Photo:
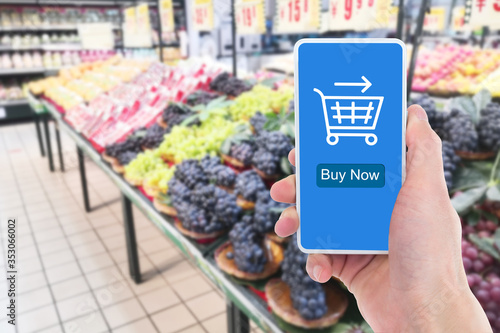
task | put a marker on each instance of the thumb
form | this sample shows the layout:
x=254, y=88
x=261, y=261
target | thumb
x=424, y=157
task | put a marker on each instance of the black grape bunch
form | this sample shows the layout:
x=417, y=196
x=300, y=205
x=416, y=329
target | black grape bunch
x=267, y=212
x=125, y=151
x=174, y=114
x=248, y=185
x=218, y=173
x=243, y=152
x=258, y=121
x=460, y=131
x=229, y=85
x=450, y=162
x=489, y=127
x=308, y=296
x=271, y=148
x=201, y=206
x=248, y=246
x=153, y=137
x=200, y=97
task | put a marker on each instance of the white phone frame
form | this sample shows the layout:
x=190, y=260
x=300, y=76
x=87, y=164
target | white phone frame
x=297, y=136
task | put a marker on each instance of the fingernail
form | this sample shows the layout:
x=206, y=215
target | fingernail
x=317, y=270
x=283, y=214
x=420, y=113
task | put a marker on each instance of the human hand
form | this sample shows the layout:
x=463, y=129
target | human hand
x=421, y=285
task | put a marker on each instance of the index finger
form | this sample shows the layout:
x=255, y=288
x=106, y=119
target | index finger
x=291, y=156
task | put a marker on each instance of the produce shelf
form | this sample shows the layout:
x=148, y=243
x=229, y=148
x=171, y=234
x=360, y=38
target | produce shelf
x=22, y=101
x=22, y=71
x=68, y=27
x=41, y=28
x=70, y=3
x=201, y=255
x=43, y=47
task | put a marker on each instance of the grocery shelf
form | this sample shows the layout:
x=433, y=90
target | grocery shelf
x=201, y=255
x=75, y=3
x=21, y=71
x=22, y=101
x=43, y=47
x=61, y=47
x=19, y=48
x=40, y=28
x=69, y=27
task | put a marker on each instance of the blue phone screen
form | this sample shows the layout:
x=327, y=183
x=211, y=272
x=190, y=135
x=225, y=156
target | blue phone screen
x=350, y=113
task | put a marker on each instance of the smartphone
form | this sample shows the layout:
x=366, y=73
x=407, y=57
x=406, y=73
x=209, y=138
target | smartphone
x=350, y=118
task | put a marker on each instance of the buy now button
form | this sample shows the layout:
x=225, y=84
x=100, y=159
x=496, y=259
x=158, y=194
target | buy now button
x=350, y=175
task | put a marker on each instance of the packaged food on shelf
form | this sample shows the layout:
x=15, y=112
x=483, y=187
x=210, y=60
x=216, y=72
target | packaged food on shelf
x=11, y=91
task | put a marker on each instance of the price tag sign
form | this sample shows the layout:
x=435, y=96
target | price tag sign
x=203, y=15
x=358, y=15
x=249, y=17
x=385, y=12
x=434, y=21
x=393, y=17
x=167, y=16
x=458, y=18
x=130, y=19
x=297, y=16
x=137, y=27
x=142, y=17
x=96, y=36
x=484, y=13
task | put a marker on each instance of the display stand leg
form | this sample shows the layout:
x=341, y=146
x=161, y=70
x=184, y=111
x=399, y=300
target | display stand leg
x=237, y=321
x=400, y=22
x=39, y=134
x=83, y=178
x=417, y=38
x=233, y=38
x=59, y=148
x=133, y=256
x=484, y=34
x=47, y=140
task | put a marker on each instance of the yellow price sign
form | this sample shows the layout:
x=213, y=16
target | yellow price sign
x=142, y=17
x=203, y=15
x=434, y=20
x=130, y=18
x=297, y=15
x=167, y=16
x=249, y=17
x=458, y=18
x=359, y=15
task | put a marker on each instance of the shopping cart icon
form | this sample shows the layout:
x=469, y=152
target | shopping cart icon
x=351, y=116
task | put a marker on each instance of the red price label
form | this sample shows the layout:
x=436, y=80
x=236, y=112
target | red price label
x=352, y=15
x=298, y=15
x=203, y=15
x=249, y=17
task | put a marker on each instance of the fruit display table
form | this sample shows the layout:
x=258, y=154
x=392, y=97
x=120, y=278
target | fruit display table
x=242, y=303
x=246, y=298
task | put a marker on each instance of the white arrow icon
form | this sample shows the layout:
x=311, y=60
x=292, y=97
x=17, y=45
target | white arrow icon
x=367, y=84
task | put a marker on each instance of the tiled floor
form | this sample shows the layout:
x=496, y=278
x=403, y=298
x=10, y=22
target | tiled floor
x=73, y=266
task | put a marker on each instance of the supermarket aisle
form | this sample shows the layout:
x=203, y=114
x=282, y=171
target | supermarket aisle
x=73, y=265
